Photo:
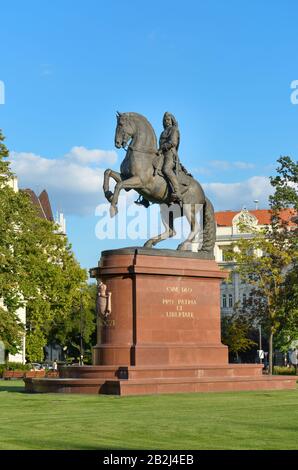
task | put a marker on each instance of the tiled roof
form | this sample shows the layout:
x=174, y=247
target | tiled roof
x=45, y=202
x=225, y=218
x=42, y=203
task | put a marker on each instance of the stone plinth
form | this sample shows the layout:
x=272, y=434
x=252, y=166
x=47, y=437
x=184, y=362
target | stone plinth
x=165, y=310
x=163, y=332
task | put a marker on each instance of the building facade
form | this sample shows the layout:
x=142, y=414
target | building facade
x=228, y=232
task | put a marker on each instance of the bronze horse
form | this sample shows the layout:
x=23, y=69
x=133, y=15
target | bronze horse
x=138, y=172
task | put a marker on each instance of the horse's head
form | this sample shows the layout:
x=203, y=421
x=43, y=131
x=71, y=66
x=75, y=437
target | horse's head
x=124, y=130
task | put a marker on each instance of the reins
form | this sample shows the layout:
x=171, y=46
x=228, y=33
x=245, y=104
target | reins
x=142, y=150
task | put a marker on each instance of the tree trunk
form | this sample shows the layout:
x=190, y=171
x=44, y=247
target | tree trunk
x=271, y=353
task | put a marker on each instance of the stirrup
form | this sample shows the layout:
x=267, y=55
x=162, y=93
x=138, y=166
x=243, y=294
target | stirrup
x=141, y=201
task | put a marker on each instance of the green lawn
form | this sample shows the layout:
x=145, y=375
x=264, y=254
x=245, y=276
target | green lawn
x=243, y=420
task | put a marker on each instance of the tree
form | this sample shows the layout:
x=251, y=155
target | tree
x=286, y=185
x=52, y=285
x=235, y=333
x=289, y=304
x=4, y=165
x=11, y=329
x=76, y=332
x=286, y=195
x=37, y=266
x=267, y=260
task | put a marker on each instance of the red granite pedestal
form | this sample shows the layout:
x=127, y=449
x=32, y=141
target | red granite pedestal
x=163, y=333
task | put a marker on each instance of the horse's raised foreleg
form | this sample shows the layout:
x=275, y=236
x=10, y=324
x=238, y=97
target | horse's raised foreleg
x=131, y=183
x=106, y=180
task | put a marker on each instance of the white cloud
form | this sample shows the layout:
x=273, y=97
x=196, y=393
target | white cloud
x=233, y=196
x=201, y=170
x=73, y=181
x=244, y=165
x=220, y=164
x=224, y=165
x=82, y=155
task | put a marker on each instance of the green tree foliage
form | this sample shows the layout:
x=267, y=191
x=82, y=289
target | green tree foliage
x=4, y=164
x=11, y=329
x=35, y=342
x=289, y=307
x=286, y=195
x=37, y=267
x=268, y=260
x=235, y=333
x=76, y=332
x=285, y=184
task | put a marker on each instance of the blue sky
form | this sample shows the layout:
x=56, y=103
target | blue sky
x=224, y=68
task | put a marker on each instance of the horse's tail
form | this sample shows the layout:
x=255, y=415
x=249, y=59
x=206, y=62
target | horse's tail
x=209, y=227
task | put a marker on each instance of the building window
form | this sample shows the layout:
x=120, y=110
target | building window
x=224, y=301
x=230, y=300
x=225, y=254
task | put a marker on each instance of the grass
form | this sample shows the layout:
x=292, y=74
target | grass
x=242, y=420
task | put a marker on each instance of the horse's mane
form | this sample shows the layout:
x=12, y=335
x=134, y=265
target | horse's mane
x=146, y=124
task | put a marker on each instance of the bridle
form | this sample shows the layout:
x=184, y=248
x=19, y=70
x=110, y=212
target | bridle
x=135, y=149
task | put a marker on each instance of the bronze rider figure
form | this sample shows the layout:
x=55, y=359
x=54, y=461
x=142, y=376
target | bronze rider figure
x=168, y=147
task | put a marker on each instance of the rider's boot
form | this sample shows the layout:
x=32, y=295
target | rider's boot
x=176, y=194
x=142, y=202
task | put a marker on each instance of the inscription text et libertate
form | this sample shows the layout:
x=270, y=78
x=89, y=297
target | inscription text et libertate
x=178, y=305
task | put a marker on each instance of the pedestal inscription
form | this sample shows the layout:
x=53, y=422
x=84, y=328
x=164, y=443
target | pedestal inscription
x=178, y=307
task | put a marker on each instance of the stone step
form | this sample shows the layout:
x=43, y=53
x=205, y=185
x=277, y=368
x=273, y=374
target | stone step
x=89, y=372
x=139, y=372
x=191, y=385
x=159, y=385
x=229, y=370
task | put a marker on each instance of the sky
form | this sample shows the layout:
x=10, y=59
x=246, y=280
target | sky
x=223, y=68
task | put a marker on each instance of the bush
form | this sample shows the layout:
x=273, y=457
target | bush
x=279, y=370
x=16, y=366
x=13, y=366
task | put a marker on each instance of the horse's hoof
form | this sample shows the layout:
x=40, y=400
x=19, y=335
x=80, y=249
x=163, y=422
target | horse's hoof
x=148, y=244
x=183, y=247
x=113, y=211
x=109, y=195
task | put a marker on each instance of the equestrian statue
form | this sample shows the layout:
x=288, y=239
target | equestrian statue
x=159, y=177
